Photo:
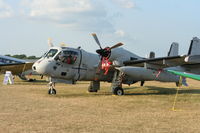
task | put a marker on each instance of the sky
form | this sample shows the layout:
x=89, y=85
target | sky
x=142, y=25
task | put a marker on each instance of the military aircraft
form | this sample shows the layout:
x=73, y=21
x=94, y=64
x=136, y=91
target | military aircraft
x=187, y=66
x=18, y=67
x=68, y=65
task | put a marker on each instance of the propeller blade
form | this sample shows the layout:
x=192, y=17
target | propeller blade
x=50, y=42
x=96, y=39
x=116, y=45
x=63, y=44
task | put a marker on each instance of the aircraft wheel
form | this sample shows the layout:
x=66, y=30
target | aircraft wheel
x=118, y=91
x=52, y=92
x=91, y=90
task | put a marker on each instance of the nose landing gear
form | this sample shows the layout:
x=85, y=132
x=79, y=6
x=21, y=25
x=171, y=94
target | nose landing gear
x=52, y=90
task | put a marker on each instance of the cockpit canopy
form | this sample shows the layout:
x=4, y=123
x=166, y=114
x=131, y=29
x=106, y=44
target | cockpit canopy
x=51, y=53
x=68, y=56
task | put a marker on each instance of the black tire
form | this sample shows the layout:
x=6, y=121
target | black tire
x=91, y=90
x=118, y=91
x=52, y=92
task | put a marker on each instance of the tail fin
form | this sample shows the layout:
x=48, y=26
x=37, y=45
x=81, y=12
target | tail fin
x=173, y=51
x=151, y=55
x=194, y=47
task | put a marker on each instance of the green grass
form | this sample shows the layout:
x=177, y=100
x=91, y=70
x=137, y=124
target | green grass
x=25, y=107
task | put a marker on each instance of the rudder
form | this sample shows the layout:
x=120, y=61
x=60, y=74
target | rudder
x=194, y=48
x=173, y=51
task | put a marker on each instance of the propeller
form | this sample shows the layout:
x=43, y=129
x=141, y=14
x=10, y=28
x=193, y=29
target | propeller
x=106, y=51
x=104, y=54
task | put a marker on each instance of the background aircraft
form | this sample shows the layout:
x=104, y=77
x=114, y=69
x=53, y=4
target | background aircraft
x=68, y=65
x=186, y=65
x=18, y=67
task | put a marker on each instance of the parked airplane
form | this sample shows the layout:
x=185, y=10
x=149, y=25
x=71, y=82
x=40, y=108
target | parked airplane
x=68, y=65
x=187, y=65
x=18, y=67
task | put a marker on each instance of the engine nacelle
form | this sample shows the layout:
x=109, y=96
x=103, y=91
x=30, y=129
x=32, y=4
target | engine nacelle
x=140, y=74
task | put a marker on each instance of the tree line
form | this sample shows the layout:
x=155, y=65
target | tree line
x=22, y=56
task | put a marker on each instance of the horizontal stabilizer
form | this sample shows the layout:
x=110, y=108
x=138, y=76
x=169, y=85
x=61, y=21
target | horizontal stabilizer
x=194, y=47
x=173, y=51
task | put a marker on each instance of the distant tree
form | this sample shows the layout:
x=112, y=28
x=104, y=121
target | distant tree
x=32, y=57
x=8, y=55
x=21, y=56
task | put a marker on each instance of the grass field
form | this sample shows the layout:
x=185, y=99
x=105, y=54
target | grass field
x=27, y=108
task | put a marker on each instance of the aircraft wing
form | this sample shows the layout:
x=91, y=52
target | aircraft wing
x=158, y=63
x=15, y=68
x=184, y=74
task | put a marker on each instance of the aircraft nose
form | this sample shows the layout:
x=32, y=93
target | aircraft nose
x=41, y=67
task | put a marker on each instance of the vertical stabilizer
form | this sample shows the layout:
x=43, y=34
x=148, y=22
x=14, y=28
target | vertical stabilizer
x=151, y=55
x=173, y=51
x=194, y=47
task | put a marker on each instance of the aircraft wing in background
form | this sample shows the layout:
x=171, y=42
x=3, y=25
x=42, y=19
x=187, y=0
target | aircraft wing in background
x=16, y=68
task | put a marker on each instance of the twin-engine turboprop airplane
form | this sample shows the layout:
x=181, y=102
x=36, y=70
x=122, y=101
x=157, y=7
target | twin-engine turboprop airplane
x=68, y=65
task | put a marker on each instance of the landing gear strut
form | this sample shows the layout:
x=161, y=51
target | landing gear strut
x=117, y=83
x=142, y=83
x=94, y=86
x=52, y=90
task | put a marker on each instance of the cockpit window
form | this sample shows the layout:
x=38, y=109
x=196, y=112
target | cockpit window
x=51, y=53
x=68, y=56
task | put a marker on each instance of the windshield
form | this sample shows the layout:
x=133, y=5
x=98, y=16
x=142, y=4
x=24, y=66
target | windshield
x=51, y=53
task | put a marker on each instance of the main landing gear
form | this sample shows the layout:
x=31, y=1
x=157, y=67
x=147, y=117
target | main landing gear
x=52, y=90
x=117, y=84
x=118, y=91
x=94, y=86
